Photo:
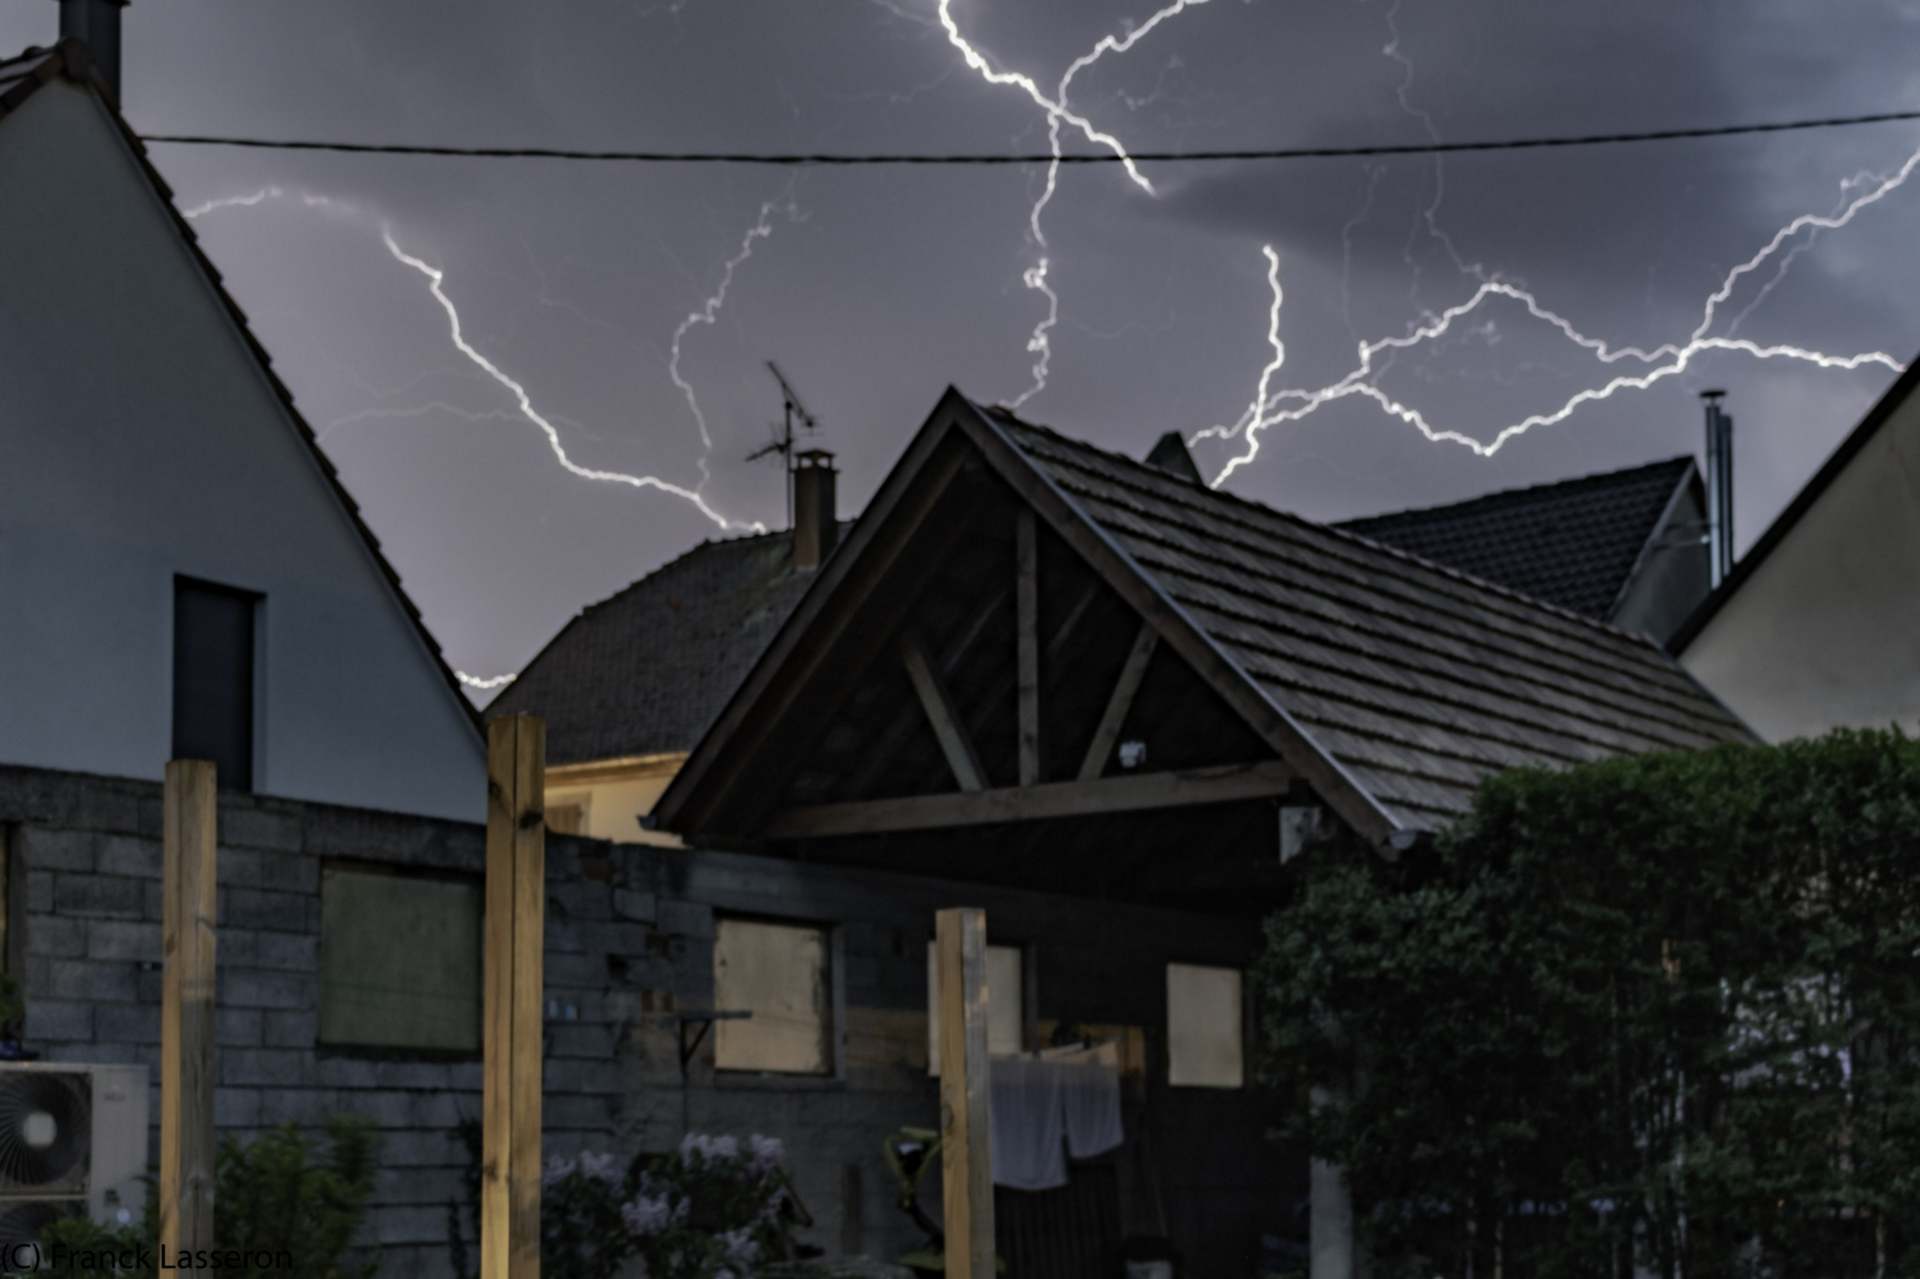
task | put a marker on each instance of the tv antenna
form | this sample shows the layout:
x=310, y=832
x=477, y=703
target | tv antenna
x=782, y=442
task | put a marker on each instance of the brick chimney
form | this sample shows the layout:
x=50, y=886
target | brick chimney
x=96, y=24
x=816, y=526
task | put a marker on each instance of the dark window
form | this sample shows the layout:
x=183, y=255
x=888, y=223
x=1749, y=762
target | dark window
x=213, y=678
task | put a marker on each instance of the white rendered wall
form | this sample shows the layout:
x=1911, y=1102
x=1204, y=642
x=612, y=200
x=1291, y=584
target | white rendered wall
x=138, y=439
x=1826, y=631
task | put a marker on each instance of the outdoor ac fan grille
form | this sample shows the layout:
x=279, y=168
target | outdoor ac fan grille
x=46, y=1132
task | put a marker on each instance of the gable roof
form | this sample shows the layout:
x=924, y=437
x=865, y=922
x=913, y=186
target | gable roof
x=1392, y=685
x=644, y=671
x=1803, y=501
x=1575, y=543
x=24, y=75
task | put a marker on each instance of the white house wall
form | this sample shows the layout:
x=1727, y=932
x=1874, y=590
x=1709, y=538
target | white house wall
x=139, y=440
x=1825, y=632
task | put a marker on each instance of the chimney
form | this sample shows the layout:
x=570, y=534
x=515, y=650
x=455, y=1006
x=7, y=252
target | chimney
x=816, y=527
x=1170, y=454
x=96, y=24
x=1719, y=486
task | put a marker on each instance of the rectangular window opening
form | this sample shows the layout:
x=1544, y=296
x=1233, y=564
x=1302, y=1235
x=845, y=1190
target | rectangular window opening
x=400, y=960
x=779, y=974
x=213, y=658
x=1205, y=1019
x=1006, y=1004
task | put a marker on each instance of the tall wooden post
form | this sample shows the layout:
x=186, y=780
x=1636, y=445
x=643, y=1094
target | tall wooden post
x=966, y=1164
x=188, y=914
x=515, y=931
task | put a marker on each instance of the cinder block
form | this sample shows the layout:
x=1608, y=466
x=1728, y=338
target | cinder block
x=685, y=919
x=123, y=939
x=289, y=1029
x=98, y=980
x=260, y=828
x=308, y=1107
x=55, y=936
x=127, y=1023
x=267, y=1068
x=267, y=911
x=130, y=855
x=256, y=988
x=235, y=1108
x=294, y=951
x=52, y=1019
x=113, y=896
x=40, y=890
x=637, y=906
x=237, y=1027
x=57, y=849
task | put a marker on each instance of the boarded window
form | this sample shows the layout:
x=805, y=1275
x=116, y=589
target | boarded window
x=778, y=973
x=400, y=961
x=1204, y=1021
x=569, y=818
x=1006, y=1004
x=213, y=678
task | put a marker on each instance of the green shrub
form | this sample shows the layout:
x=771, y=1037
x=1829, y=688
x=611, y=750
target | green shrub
x=277, y=1197
x=1665, y=1005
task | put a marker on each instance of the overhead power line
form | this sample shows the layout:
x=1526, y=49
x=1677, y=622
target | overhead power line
x=824, y=159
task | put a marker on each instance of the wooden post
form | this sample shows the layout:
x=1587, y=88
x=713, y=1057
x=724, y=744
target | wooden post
x=188, y=913
x=966, y=1163
x=515, y=932
x=1027, y=613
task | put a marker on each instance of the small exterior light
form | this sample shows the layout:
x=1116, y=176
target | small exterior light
x=1133, y=754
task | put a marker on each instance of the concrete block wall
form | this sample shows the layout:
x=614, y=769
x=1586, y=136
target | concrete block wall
x=629, y=936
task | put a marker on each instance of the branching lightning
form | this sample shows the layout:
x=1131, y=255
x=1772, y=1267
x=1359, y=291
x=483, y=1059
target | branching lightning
x=709, y=313
x=1667, y=360
x=1035, y=277
x=486, y=681
x=527, y=411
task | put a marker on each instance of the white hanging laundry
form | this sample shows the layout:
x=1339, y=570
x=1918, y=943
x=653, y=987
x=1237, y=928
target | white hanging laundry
x=1090, y=1100
x=1027, y=1124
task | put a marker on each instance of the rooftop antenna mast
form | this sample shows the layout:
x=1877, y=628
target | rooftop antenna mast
x=782, y=443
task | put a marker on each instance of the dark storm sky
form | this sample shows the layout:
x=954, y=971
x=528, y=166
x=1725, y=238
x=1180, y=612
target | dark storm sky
x=884, y=285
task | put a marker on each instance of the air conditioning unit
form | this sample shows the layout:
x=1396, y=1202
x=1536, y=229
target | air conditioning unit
x=73, y=1139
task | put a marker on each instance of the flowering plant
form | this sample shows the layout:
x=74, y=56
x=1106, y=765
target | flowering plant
x=716, y=1208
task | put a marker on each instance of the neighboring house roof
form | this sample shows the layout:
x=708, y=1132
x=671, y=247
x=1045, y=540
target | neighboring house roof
x=20, y=78
x=1575, y=543
x=1803, y=501
x=1392, y=685
x=646, y=670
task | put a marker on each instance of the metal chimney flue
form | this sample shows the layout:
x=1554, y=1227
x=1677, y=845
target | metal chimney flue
x=1719, y=425
x=816, y=527
x=96, y=24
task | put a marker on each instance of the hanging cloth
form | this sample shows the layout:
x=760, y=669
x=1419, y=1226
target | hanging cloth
x=1027, y=1124
x=1090, y=1100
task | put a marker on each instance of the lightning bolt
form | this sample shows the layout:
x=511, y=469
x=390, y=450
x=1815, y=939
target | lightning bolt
x=527, y=410
x=486, y=681
x=709, y=313
x=1039, y=343
x=1294, y=405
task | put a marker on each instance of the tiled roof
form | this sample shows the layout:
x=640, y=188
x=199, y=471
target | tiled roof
x=645, y=671
x=1574, y=543
x=1416, y=680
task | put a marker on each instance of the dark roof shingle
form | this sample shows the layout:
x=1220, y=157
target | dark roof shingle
x=1417, y=680
x=646, y=670
x=1573, y=543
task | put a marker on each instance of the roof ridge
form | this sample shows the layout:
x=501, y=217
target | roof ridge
x=1337, y=531
x=74, y=62
x=1593, y=479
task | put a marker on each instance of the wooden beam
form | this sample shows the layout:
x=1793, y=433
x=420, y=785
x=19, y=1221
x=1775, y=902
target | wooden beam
x=806, y=643
x=1119, y=703
x=188, y=909
x=1126, y=793
x=966, y=1162
x=516, y=895
x=1027, y=618
x=955, y=744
